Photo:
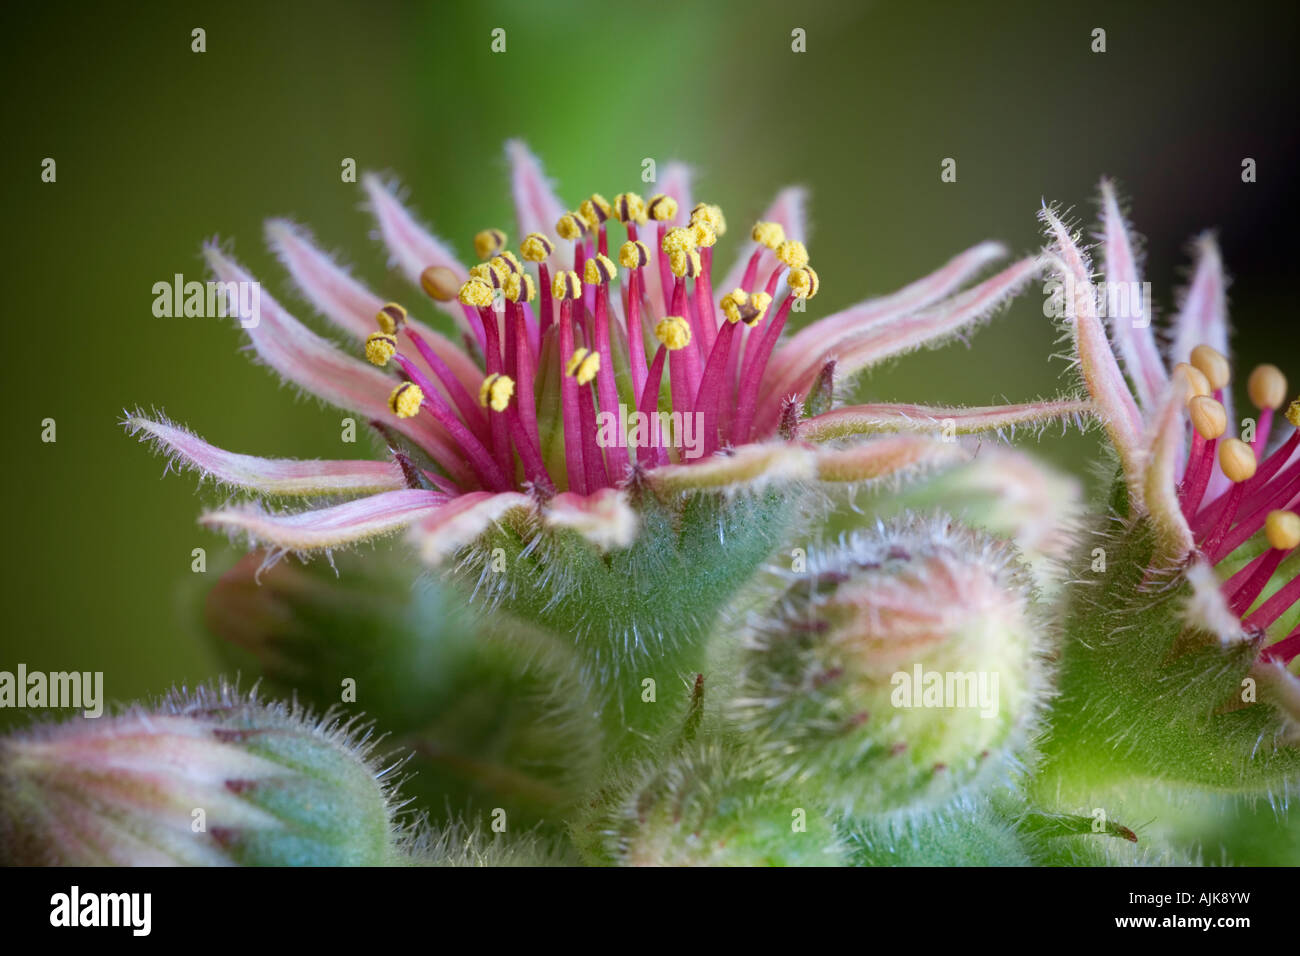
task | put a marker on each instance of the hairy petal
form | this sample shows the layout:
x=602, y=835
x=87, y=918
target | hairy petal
x=268, y=476
x=461, y=520
x=879, y=341
x=411, y=247
x=1165, y=444
x=867, y=419
x=606, y=519
x=310, y=362
x=1100, y=370
x=347, y=303
x=537, y=208
x=1132, y=333
x=886, y=457
x=750, y=466
x=333, y=527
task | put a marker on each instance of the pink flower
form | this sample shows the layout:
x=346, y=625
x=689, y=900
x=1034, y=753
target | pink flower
x=1206, y=502
x=548, y=406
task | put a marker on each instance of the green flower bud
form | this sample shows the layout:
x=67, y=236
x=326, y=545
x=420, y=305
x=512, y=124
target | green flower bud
x=896, y=670
x=706, y=807
x=211, y=778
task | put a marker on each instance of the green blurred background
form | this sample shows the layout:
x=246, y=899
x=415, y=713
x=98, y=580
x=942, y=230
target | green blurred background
x=158, y=148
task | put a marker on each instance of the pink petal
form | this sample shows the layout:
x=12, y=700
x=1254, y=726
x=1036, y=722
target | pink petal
x=269, y=476
x=1133, y=335
x=749, y=466
x=1203, y=318
x=606, y=519
x=333, y=527
x=1164, y=442
x=411, y=247
x=537, y=208
x=1100, y=370
x=460, y=521
x=309, y=361
x=868, y=419
x=347, y=303
x=886, y=457
x=878, y=341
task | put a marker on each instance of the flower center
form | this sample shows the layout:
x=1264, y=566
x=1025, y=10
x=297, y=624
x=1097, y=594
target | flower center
x=552, y=376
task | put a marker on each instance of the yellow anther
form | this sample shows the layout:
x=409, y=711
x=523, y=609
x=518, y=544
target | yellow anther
x=566, y=285
x=570, y=226
x=476, y=292
x=489, y=273
x=711, y=214
x=629, y=207
x=1212, y=365
x=1293, y=413
x=599, y=270
x=489, y=242
x=520, y=287
x=1282, y=529
x=673, y=332
x=678, y=239
x=732, y=303
x=703, y=233
x=536, y=247
x=634, y=255
x=793, y=253
x=507, y=262
x=1237, y=460
x=685, y=264
x=1209, y=418
x=804, y=282
x=380, y=347
x=757, y=305
x=439, y=283
x=405, y=400
x=770, y=234
x=1267, y=387
x=595, y=210
x=583, y=365
x=495, y=391
x=390, y=318
x=661, y=208
x=1200, y=384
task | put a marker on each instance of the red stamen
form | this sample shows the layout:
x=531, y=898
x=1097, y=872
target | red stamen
x=617, y=455
x=752, y=376
x=665, y=269
x=684, y=363
x=1200, y=465
x=597, y=477
x=1275, y=607
x=709, y=398
x=1247, y=584
x=1262, y=427
x=465, y=404
x=544, y=290
x=751, y=270
x=649, y=406
x=480, y=459
x=708, y=319
x=635, y=333
x=1284, y=650
x=1255, y=518
x=492, y=361
x=1210, y=543
x=569, y=405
